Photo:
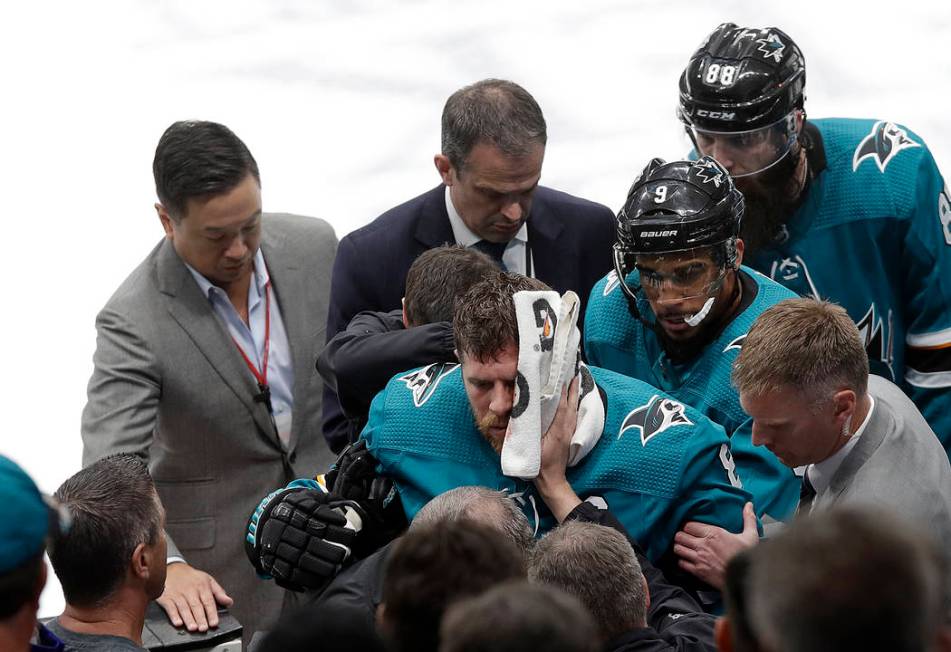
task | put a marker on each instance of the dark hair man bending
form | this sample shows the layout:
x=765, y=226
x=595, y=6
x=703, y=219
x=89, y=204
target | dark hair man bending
x=489, y=197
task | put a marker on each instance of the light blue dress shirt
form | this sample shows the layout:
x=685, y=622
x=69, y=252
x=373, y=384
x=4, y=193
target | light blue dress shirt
x=250, y=337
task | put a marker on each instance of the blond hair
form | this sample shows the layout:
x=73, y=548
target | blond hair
x=810, y=346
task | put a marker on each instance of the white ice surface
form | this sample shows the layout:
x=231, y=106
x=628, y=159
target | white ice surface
x=340, y=100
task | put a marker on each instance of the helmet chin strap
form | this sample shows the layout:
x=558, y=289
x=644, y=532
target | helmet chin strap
x=699, y=316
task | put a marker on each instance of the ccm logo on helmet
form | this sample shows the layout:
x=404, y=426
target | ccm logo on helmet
x=657, y=234
x=716, y=115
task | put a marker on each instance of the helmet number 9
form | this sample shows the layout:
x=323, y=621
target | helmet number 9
x=717, y=74
x=660, y=194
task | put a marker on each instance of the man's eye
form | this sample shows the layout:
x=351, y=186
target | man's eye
x=692, y=273
x=651, y=278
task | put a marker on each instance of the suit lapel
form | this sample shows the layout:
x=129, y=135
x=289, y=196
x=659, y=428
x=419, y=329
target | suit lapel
x=872, y=437
x=194, y=314
x=551, y=260
x=433, y=228
x=289, y=284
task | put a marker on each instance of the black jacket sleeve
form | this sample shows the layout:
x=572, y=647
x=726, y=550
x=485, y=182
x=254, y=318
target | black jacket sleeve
x=359, y=361
x=675, y=621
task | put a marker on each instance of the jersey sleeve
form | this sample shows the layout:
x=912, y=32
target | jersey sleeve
x=709, y=490
x=927, y=290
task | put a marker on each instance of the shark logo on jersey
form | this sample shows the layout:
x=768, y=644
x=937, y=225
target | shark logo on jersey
x=794, y=274
x=771, y=47
x=424, y=381
x=612, y=283
x=709, y=172
x=736, y=344
x=880, y=349
x=656, y=416
x=882, y=145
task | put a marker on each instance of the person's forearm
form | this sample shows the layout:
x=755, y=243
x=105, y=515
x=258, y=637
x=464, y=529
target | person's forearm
x=558, y=495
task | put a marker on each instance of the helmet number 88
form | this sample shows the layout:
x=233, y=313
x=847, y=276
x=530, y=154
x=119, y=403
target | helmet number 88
x=717, y=74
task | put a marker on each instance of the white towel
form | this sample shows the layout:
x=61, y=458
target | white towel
x=547, y=361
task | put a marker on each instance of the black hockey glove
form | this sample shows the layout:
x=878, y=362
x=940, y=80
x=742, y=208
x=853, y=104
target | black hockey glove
x=301, y=536
x=354, y=477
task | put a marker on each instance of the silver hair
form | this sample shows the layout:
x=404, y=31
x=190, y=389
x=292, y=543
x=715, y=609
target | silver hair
x=482, y=505
x=597, y=565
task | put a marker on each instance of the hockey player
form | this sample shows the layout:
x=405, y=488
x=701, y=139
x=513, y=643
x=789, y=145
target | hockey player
x=678, y=305
x=656, y=462
x=854, y=211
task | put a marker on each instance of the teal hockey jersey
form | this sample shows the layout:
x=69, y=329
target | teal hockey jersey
x=615, y=340
x=657, y=464
x=873, y=234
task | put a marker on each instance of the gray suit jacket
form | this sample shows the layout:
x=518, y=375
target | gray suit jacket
x=898, y=463
x=170, y=385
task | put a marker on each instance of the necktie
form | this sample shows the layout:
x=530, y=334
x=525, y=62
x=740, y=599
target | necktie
x=493, y=250
x=807, y=494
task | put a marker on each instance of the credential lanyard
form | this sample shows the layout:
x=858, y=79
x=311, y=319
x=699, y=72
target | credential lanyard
x=261, y=376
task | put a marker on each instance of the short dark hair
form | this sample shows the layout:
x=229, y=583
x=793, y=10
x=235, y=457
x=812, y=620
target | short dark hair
x=431, y=567
x=19, y=585
x=494, y=111
x=736, y=601
x=196, y=158
x=597, y=565
x=438, y=277
x=847, y=578
x=114, y=508
x=484, y=321
x=518, y=616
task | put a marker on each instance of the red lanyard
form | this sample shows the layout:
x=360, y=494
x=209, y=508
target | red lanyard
x=261, y=376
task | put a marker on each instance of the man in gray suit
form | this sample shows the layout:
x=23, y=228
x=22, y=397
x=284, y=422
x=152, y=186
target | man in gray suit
x=803, y=377
x=204, y=365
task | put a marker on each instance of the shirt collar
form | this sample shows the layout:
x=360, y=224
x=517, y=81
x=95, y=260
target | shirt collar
x=463, y=235
x=820, y=474
x=255, y=291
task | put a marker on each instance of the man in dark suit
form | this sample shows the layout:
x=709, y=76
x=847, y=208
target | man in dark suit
x=493, y=145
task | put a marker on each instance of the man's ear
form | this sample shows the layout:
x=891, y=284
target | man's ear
x=166, y=221
x=40, y=582
x=444, y=167
x=844, y=402
x=380, y=617
x=740, y=247
x=141, y=562
x=723, y=634
x=406, y=323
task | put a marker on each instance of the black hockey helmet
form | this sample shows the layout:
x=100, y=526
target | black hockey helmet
x=679, y=206
x=742, y=79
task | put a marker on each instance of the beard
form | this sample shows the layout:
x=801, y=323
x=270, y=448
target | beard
x=772, y=196
x=485, y=424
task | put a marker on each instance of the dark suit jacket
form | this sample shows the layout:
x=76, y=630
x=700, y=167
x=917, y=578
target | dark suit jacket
x=570, y=240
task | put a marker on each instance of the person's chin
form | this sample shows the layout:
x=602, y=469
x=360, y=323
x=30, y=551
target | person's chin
x=676, y=329
x=495, y=436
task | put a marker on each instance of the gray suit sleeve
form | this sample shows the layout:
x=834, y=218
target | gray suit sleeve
x=122, y=395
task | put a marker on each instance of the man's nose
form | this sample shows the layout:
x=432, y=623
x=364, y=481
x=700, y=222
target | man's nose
x=237, y=248
x=724, y=154
x=512, y=210
x=502, y=400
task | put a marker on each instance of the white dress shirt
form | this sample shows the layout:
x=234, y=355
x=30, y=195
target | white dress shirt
x=517, y=255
